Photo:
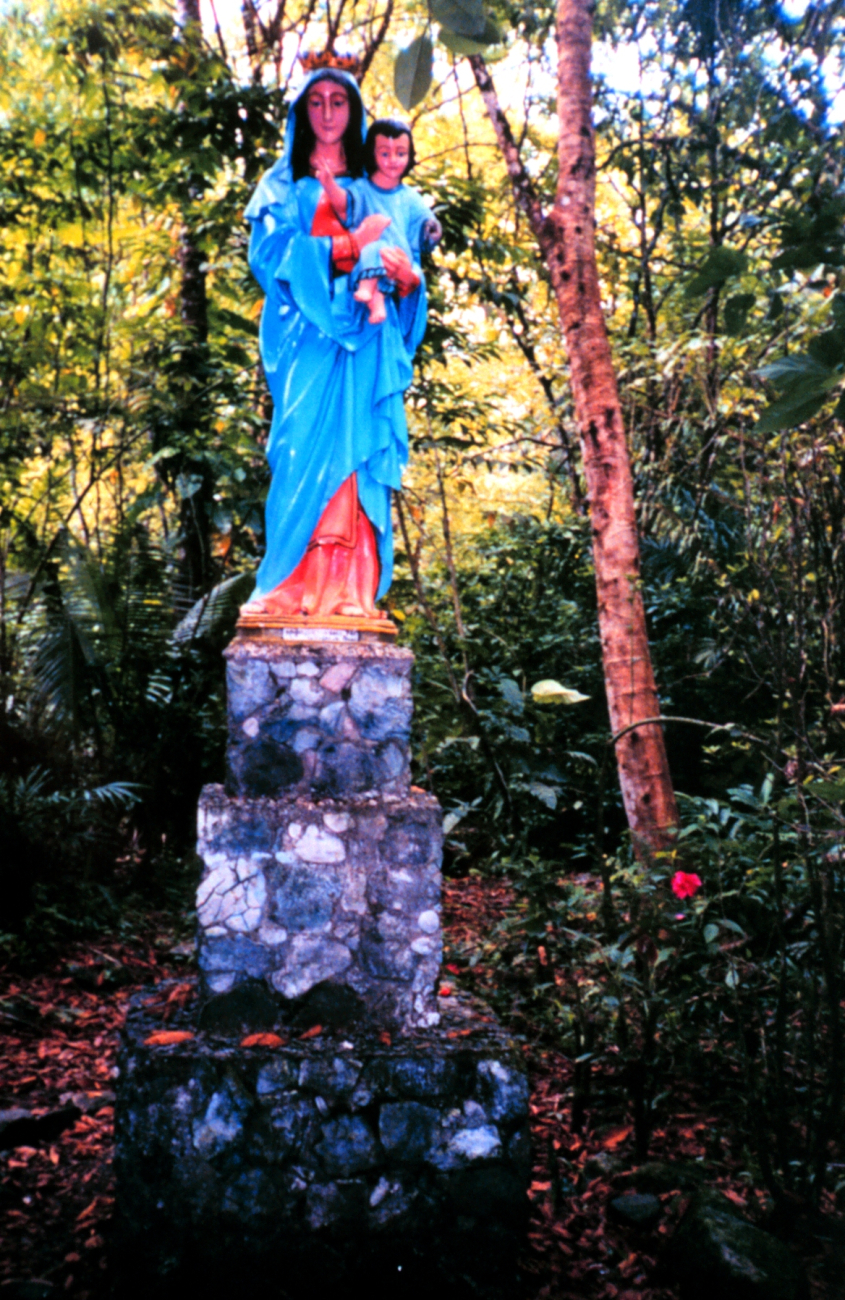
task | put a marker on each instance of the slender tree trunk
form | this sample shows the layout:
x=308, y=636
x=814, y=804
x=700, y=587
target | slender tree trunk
x=197, y=485
x=566, y=238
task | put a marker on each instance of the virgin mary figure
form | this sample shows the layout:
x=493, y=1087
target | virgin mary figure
x=338, y=439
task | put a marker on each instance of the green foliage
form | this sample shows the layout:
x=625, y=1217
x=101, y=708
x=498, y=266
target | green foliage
x=413, y=72
x=742, y=982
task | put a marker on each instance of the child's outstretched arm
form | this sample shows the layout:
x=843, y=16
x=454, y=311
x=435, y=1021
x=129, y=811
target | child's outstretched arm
x=337, y=195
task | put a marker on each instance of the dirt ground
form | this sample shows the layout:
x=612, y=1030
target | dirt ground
x=59, y=1032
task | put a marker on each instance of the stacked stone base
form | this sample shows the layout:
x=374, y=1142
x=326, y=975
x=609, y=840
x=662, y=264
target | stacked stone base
x=339, y=1160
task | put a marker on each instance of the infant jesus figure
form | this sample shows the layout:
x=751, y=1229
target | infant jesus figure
x=388, y=157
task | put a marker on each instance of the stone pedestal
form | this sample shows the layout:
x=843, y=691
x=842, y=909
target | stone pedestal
x=298, y=893
x=323, y=1165
x=387, y=1142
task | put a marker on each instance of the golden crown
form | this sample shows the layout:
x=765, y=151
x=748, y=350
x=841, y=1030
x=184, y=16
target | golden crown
x=314, y=60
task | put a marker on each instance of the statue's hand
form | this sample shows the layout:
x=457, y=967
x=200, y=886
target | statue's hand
x=371, y=229
x=432, y=233
x=398, y=266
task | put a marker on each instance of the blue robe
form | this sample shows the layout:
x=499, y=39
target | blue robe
x=337, y=382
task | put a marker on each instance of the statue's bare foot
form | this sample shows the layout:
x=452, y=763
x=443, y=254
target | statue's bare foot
x=269, y=606
x=378, y=312
x=350, y=610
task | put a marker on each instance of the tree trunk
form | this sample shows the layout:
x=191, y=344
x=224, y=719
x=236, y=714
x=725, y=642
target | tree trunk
x=195, y=480
x=566, y=238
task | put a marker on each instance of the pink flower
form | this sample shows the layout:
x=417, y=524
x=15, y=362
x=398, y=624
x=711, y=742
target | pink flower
x=685, y=884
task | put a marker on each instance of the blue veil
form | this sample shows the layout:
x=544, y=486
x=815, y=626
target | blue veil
x=337, y=381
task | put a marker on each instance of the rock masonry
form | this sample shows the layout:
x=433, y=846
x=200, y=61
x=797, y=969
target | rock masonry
x=320, y=863
x=337, y=1161
x=393, y=1135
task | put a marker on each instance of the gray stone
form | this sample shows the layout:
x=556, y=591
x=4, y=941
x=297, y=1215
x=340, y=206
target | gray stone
x=310, y=960
x=239, y=955
x=294, y=1123
x=714, y=1252
x=275, y=1076
x=334, y=1077
x=306, y=898
x=249, y=686
x=347, y=1147
x=408, y=1130
x=505, y=1092
x=380, y=703
x=336, y=1204
x=636, y=1210
x=222, y=1124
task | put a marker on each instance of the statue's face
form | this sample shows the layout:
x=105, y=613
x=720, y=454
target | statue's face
x=328, y=111
x=392, y=155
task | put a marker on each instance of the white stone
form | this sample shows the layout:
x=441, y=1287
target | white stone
x=294, y=831
x=221, y=983
x=285, y=857
x=246, y=921
x=306, y=738
x=215, y=932
x=216, y=882
x=272, y=935
x=311, y=959
x=302, y=712
x=424, y=946
x=304, y=691
x=337, y=822
x=335, y=678
x=231, y=904
x=319, y=846
x=354, y=897
x=330, y=714
x=429, y=922
x=381, y=1189
x=250, y=728
x=284, y=669
x=307, y=669
x=209, y=913
x=475, y=1143
x=255, y=891
x=401, y=876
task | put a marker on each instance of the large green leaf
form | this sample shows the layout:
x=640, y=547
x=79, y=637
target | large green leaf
x=789, y=370
x=412, y=72
x=491, y=35
x=720, y=265
x=788, y=412
x=465, y=17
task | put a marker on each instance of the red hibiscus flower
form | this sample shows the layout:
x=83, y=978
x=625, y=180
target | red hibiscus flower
x=685, y=884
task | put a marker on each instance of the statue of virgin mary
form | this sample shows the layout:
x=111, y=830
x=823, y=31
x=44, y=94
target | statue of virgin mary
x=338, y=439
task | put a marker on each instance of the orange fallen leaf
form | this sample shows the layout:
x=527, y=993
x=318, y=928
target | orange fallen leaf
x=312, y=1032
x=384, y=1037
x=166, y=1037
x=445, y=991
x=617, y=1137
x=263, y=1040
